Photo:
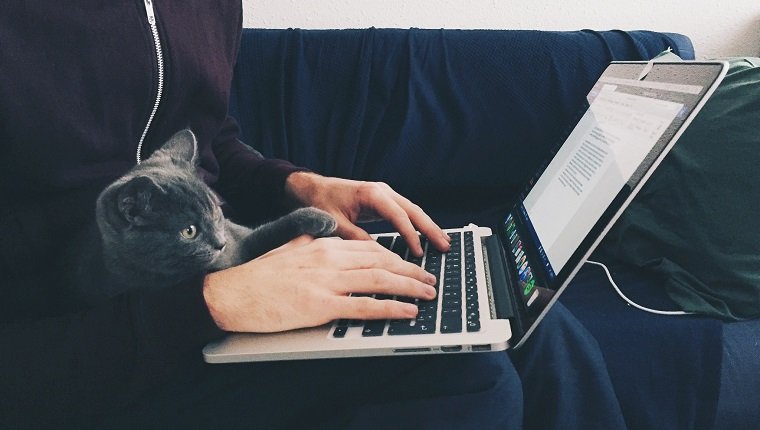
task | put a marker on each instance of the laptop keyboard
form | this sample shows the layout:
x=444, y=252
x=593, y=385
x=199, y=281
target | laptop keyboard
x=455, y=308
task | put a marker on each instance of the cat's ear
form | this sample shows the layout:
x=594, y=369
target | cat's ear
x=136, y=200
x=180, y=148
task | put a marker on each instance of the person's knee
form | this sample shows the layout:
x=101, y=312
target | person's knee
x=477, y=372
x=494, y=369
x=558, y=336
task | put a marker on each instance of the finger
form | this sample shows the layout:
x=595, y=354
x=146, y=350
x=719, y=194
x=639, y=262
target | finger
x=382, y=202
x=380, y=281
x=367, y=308
x=336, y=244
x=440, y=240
x=350, y=255
x=348, y=230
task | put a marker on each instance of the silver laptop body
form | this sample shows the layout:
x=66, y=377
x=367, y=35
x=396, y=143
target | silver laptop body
x=635, y=113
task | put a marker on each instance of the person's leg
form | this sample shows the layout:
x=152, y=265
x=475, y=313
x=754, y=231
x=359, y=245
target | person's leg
x=402, y=392
x=565, y=379
x=564, y=384
x=459, y=391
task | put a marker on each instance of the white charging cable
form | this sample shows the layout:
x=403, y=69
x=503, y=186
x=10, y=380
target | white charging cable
x=631, y=302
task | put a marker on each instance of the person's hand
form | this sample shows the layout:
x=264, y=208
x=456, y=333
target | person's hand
x=307, y=283
x=350, y=202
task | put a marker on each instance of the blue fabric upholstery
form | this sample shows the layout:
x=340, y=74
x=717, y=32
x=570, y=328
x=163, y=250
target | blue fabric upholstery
x=457, y=120
x=420, y=108
x=664, y=369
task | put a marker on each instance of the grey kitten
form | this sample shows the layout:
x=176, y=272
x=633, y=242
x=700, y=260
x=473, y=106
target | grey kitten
x=160, y=224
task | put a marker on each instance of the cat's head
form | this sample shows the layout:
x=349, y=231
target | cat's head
x=161, y=216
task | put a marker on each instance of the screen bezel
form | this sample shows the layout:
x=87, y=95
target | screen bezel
x=561, y=279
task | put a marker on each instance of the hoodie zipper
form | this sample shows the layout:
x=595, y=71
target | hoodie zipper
x=160, y=61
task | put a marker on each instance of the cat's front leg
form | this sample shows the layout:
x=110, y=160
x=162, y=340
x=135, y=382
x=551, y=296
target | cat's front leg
x=312, y=221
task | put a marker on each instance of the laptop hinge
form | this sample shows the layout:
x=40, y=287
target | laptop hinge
x=497, y=280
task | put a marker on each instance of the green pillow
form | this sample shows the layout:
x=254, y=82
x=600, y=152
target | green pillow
x=695, y=222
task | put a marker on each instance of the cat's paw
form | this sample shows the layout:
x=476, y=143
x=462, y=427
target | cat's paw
x=315, y=222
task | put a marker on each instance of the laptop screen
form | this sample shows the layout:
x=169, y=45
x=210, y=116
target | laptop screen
x=627, y=123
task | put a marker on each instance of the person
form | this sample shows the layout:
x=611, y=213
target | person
x=84, y=96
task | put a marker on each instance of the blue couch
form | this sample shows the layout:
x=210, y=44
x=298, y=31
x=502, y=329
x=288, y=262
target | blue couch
x=457, y=121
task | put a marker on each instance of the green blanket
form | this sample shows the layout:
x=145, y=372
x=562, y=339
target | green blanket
x=696, y=221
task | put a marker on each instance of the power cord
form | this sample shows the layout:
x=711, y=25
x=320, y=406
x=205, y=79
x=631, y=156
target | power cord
x=631, y=302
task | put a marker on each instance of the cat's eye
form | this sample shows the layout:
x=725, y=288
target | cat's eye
x=190, y=232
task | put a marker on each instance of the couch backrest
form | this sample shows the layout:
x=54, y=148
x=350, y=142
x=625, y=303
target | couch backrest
x=435, y=113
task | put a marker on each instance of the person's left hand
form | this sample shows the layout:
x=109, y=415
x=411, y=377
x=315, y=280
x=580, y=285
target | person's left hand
x=350, y=202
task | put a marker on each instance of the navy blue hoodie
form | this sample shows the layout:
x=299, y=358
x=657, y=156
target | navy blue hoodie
x=78, y=86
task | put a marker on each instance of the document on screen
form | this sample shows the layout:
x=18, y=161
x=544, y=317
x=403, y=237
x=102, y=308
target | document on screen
x=600, y=155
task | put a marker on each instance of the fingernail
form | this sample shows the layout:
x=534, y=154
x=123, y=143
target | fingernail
x=447, y=237
x=430, y=291
x=430, y=279
x=410, y=310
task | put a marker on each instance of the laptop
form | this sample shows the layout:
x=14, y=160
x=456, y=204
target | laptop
x=497, y=282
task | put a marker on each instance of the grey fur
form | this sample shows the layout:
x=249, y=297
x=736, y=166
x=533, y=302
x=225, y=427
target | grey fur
x=138, y=241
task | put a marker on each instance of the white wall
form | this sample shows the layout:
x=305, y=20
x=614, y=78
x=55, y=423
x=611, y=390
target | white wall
x=716, y=27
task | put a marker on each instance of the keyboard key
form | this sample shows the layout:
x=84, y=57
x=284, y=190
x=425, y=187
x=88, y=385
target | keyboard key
x=399, y=247
x=374, y=328
x=405, y=299
x=453, y=326
x=417, y=260
x=403, y=328
x=473, y=326
x=452, y=304
x=423, y=241
x=425, y=328
x=451, y=312
x=471, y=292
x=385, y=241
x=453, y=270
x=427, y=306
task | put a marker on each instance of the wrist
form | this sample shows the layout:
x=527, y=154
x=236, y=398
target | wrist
x=300, y=187
x=211, y=297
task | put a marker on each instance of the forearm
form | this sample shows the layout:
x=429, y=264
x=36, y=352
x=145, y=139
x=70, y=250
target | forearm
x=300, y=186
x=252, y=184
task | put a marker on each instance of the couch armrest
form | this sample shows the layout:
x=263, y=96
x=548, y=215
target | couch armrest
x=681, y=45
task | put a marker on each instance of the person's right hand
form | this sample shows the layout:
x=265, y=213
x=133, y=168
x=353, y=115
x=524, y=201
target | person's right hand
x=307, y=283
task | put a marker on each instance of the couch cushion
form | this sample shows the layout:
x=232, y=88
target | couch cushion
x=695, y=221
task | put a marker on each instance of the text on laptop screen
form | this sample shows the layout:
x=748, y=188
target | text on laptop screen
x=631, y=118
x=602, y=154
